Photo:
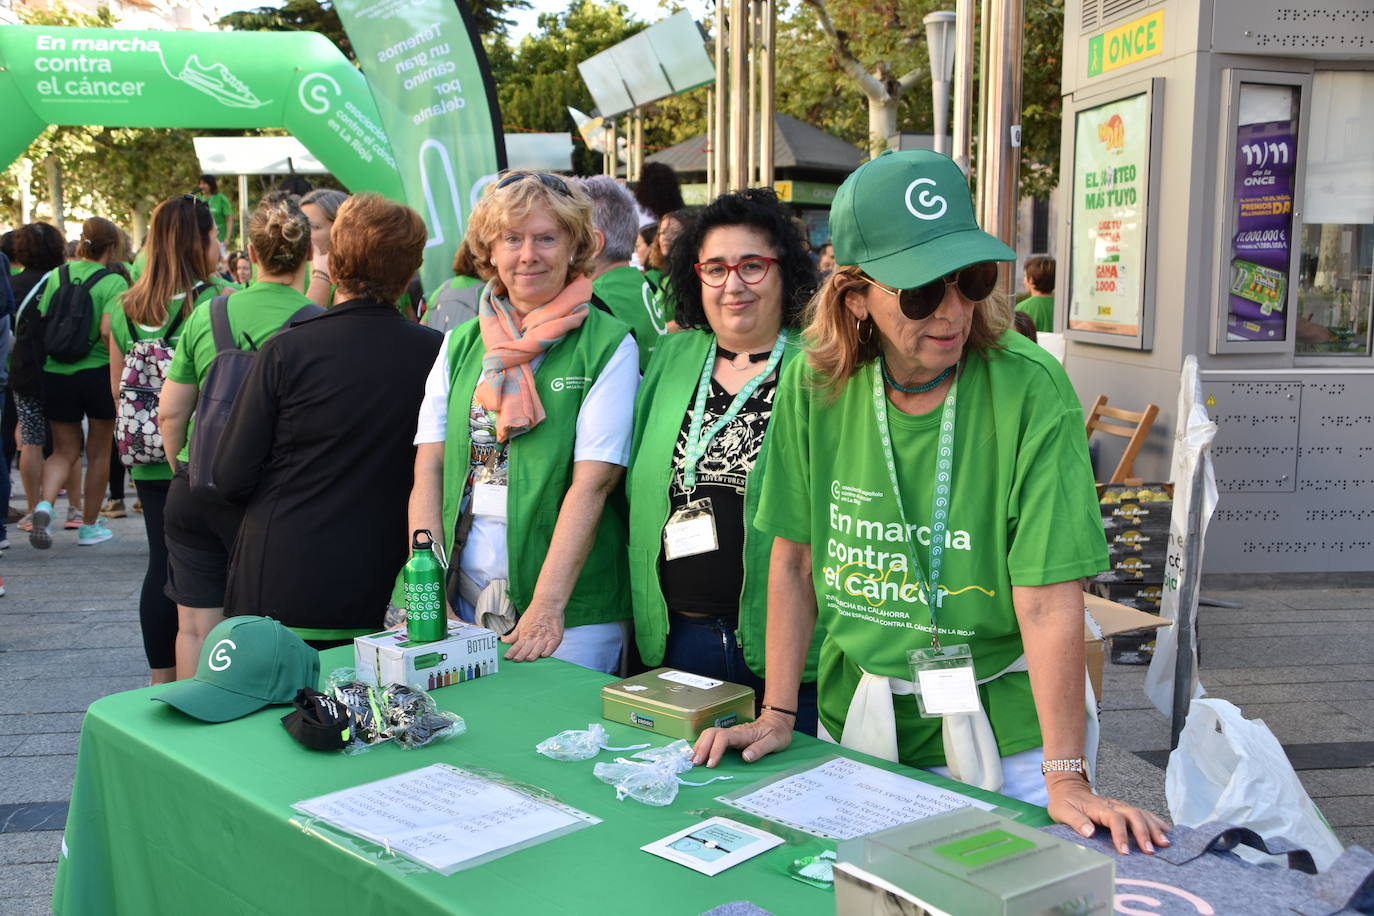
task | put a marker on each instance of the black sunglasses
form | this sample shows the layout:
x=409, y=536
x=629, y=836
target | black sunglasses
x=552, y=182
x=975, y=282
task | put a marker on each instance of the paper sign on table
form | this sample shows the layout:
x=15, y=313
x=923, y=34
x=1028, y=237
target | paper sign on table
x=713, y=845
x=841, y=799
x=445, y=817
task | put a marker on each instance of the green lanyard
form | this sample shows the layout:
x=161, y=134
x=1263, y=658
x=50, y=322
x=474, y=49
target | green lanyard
x=944, y=475
x=696, y=440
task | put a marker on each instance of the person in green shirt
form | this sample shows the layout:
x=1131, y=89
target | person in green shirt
x=616, y=286
x=702, y=441
x=79, y=390
x=200, y=532
x=929, y=492
x=1039, y=305
x=320, y=206
x=182, y=247
x=221, y=210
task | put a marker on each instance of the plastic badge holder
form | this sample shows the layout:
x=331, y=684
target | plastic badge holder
x=944, y=680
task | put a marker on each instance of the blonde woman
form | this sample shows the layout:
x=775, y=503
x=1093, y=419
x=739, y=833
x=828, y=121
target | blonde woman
x=524, y=434
x=933, y=509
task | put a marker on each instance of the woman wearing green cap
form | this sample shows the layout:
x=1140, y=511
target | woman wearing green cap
x=933, y=508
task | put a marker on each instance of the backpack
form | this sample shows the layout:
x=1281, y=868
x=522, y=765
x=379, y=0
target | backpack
x=223, y=380
x=28, y=355
x=137, y=434
x=67, y=335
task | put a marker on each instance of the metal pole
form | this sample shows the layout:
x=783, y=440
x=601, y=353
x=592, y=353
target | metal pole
x=639, y=145
x=768, y=73
x=751, y=137
x=963, y=83
x=985, y=27
x=739, y=94
x=1002, y=138
x=1185, y=626
x=718, y=151
x=243, y=212
x=710, y=144
x=612, y=149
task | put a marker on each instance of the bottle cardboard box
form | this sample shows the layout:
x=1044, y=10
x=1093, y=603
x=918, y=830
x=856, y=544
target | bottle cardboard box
x=389, y=657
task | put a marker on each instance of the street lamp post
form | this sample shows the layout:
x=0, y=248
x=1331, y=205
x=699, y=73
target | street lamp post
x=940, y=40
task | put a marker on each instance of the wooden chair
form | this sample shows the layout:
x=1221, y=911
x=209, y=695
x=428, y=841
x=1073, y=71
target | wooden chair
x=1128, y=424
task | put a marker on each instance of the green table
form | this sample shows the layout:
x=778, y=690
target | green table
x=170, y=815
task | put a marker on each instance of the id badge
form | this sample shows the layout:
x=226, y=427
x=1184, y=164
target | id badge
x=690, y=530
x=489, y=492
x=944, y=680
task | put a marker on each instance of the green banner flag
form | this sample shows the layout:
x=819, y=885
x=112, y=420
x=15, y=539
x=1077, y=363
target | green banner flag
x=429, y=79
x=125, y=78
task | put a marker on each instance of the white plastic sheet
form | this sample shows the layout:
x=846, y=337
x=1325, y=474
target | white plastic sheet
x=1192, y=444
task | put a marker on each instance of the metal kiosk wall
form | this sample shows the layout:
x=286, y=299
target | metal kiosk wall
x=1220, y=158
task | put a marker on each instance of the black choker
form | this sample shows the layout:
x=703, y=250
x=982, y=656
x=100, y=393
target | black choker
x=735, y=359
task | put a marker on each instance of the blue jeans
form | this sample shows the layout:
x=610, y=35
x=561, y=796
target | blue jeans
x=707, y=646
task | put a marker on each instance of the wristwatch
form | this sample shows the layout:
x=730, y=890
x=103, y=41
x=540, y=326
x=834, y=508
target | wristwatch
x=1072, y=765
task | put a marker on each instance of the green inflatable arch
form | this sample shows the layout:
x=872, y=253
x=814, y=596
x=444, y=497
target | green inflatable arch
x=295, y=80
x=421, y=127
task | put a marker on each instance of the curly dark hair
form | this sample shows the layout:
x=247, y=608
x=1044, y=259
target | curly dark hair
x=39, y=246
x=657, y=190
x=760, y=209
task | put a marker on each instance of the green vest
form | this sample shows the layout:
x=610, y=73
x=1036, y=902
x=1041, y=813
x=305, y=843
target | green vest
x=541, y=466
x=666, y=394
x=633, y=300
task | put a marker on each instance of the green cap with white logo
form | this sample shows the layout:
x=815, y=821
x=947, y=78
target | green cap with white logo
x=906, y=218
x=246, y=663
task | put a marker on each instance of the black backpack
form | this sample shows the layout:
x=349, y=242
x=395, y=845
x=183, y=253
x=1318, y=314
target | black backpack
x=223, y=380
x=28, y=356
x=67, y=326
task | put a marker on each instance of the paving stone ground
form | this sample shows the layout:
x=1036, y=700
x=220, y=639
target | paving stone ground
x=1298, y=658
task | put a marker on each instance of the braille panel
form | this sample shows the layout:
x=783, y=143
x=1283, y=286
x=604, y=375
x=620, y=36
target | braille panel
x=1320, y=433
x=1277, y=27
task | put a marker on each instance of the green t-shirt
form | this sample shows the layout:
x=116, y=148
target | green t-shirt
x=104, y=296
x=1023, y=512
x=119, y=332
x=255, y=314
x=220, y=210
x=1041, y=310
x=634, y=302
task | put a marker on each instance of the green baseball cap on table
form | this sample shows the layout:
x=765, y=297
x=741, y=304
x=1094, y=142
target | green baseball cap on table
x=906, y=218
x=246, y=663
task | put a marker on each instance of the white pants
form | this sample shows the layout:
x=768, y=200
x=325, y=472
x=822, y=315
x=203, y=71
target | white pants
x=597, y=645
x=1022, y=779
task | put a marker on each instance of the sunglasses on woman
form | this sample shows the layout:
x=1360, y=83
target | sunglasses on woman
x=975, y=283
x=552, y=182
x=751, y=271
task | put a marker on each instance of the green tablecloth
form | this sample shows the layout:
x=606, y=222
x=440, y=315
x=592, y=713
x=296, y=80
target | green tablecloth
x=170, y=815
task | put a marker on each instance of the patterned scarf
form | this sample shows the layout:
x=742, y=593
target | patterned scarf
x=512, y=341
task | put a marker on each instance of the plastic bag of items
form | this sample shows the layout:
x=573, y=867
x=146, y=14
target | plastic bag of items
x=651, y=776
x=580, y=744
x=375, y=715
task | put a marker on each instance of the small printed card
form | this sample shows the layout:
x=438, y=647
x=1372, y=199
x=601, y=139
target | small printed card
x=713, y=845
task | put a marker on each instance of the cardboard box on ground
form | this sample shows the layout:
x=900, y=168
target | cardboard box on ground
x=1110, y=619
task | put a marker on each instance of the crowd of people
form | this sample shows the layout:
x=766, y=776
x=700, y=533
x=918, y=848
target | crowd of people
x=648, y=435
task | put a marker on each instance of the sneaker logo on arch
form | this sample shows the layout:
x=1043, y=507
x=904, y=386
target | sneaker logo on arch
x=220, y=657
x=927, y=200
x=570, y=383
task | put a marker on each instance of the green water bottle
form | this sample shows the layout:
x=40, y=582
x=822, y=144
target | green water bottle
x=424, y=591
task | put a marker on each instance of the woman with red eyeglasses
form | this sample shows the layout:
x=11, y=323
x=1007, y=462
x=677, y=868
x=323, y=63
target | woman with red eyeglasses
x=698, y=568
x=932, y=509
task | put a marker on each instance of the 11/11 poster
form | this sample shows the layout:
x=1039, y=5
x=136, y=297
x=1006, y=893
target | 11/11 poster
x=1110, y=184
x=1262, y=245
